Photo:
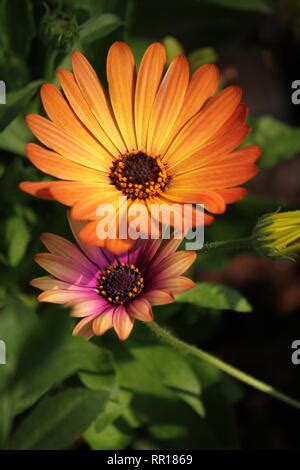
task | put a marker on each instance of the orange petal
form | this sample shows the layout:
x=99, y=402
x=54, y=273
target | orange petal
x=176, y=264
x=204, y=125
x=210, y=199
x=232, y=195
x=148, y=80
x=118, y=246
x=237, y=119
x=83, y=112
x=121, y=81
x=69, y=192
x=224, y=172
x=167, y=105
x=167, y=248
x=222, y=145
x=175, y=285
x=158, y=297
x=93, y=92
x=50, y=282
x=103, y=322
x=140, y=309
x=61, y=114
x=86, y=208
x=64, y=269
x=88, y=235
x=61, y=296
x=62, y=247
x=68, y=146
x=122, y=322
x=84, y=328
x=55, y=165
x=90, y=306
x=202, y=86
x=40, y=189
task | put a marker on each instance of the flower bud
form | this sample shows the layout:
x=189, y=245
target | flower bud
x=59, y=29
x=277, y=235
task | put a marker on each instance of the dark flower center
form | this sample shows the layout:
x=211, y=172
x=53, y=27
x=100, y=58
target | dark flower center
x=139, y=175
x=120, y=284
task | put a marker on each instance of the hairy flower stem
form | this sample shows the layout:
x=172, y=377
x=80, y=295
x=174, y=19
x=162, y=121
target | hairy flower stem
x=243, y=244
x=185, y=348
x=50, y=65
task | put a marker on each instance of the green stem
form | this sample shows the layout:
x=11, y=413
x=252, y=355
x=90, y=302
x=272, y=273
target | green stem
x=238, y=244
x=129, y=12
x=186, y=348
x=50, y=65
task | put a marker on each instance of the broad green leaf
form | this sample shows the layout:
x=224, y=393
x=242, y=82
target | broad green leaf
x=60, y=356
x=215, y=296
x=278, y=140
x=205, y=55
x=162, y=372
x=16, y=102
x=17, y=238
x=173, y=48
x=99, y=27
x=113, y=437
x=169, y=366
x=113, y=410
x=166, y=432
x=172, y=370
x=28, y=375
x=14, y=14
x=16, y=323
x=15, y=136
x=187, y=429
x=57, y=420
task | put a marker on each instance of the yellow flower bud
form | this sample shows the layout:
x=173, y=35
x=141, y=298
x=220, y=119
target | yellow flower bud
x=277, y=235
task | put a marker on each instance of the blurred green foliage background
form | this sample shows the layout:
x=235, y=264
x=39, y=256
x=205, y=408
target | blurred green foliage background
x=57, y=391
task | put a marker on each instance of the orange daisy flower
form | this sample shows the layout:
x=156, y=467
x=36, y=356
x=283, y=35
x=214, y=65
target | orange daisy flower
x=157, y=137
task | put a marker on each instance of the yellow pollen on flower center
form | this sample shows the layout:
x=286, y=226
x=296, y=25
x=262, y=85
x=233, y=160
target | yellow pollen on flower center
x=140, y=175
x=121, y=283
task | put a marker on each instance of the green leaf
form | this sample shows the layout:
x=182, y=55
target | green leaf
x=166, y=376
x=28, y=375
x=16, y=323
x=14, y=14
x=17, y=238
x=278, y=140
x=57, y=420
x=15, y=136
x=169, y=366
x=113, y=410
x=173, y=48
x=16, y=102
x=60, y=356
x=99, y=27
x=175, y=373
x=114, y=437
x=215, y=296
x=205, y=55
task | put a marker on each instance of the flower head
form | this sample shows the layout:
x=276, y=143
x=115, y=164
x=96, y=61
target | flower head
x=110, y=291
x=157, y=137
x=277, y=235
